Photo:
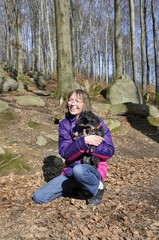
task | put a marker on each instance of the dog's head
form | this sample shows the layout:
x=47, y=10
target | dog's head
x=88, y=119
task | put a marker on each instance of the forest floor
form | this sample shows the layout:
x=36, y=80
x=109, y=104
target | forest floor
x=130, y=207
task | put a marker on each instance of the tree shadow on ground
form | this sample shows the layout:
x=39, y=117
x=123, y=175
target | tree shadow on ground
x=53, y=167
x=141, y=124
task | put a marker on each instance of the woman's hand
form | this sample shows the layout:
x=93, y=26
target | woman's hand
x=94, y=140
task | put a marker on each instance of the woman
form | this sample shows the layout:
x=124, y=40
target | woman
x=71, y=150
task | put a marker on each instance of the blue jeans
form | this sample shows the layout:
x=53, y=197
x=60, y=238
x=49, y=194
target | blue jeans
x=83, y=174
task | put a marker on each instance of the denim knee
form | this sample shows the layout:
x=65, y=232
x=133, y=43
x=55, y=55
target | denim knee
x=79, y=172
x=36, y=198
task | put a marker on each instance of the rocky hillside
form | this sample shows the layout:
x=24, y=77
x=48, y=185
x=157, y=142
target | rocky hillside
x=28, y=148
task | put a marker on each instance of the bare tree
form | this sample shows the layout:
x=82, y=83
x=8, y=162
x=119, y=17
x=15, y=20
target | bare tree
x=142, y=47
x=155, y=45
x=118, y=39
x=133, y=40
x=146, y=43
x=64, y=49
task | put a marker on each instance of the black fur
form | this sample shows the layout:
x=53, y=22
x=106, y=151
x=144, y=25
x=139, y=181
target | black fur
x=91, y=123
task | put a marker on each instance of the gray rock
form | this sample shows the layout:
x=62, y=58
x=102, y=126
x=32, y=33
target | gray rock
x=135, y=109
x=123, y=90
x=41, y=141
x=101, y=106
x=5, y=87
x=3, y=106
x=1, y=83
x=2, y=151
x=53, y=137
x=9, y=84
x=112, y=124
x=28, y=100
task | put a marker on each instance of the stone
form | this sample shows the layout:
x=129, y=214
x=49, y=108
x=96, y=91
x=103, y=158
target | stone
x=112, y=124
x=3, y=106
x=28, y=100
x=5, y=87
x=9, y=84
x=53, y=137
x=123, y=90
x=101, y=106
x=2, y=151
x=41, y=141
x=135, y=109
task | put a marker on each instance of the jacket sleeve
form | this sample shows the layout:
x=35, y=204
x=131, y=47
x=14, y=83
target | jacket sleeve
x=106, y=149
x=69, y=149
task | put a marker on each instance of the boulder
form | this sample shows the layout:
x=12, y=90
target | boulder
x=129, y=108
x=2, y=151
x=112, y=124
x=123, y=90
x=41, y=141
x=9, y=84
x=101, y=106
x=1, y=83
x=28, y=100
x=135, y=109
x=53, y=137
x=3, y=106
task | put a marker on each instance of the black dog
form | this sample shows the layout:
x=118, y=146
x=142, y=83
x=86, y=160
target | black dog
x=92, y=125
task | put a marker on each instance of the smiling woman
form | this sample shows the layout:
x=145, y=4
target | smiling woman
x=76, y=174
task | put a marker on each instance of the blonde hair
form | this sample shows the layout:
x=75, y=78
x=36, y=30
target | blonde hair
x=81, y=94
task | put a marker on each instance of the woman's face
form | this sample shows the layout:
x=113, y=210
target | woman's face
x=75, y=105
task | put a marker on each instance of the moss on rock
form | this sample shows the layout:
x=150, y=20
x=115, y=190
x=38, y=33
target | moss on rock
x=7, y=116
x=10, y=162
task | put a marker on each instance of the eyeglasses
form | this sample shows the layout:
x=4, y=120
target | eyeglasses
x=76, y=101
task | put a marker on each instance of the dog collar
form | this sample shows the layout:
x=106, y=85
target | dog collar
x=96, y=127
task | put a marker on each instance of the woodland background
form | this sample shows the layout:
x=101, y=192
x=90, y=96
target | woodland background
x=63, y=41
x=108, y=38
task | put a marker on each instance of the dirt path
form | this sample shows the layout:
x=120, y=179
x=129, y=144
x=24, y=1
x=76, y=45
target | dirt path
x=130, y=208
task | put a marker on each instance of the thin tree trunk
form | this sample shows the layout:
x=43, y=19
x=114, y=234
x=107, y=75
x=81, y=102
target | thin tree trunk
x=90, y=41
x=142, y=48
x=106, y=52
x=118, y=39
x=19, y=45
x=78, y=58
x=133, y=40
x=146, y=44
x=73, y=41
x=155, y=45
x=49, y=39
x=39, y=42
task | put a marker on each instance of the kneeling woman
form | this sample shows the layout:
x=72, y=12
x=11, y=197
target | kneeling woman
x=71, y=150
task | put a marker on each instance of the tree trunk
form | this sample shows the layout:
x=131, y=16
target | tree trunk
x=39, y=42
x=142, y=48
x=90, y=41
x=49, y=39
x=106, y=52
x=118, y=39
x=73, y=41
x=133, y=40
x=65, y=82
x=19, y=42
x=146, y=44
x=155, y=45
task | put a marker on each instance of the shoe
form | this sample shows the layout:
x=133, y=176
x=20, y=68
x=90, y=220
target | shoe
x=97, y=199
